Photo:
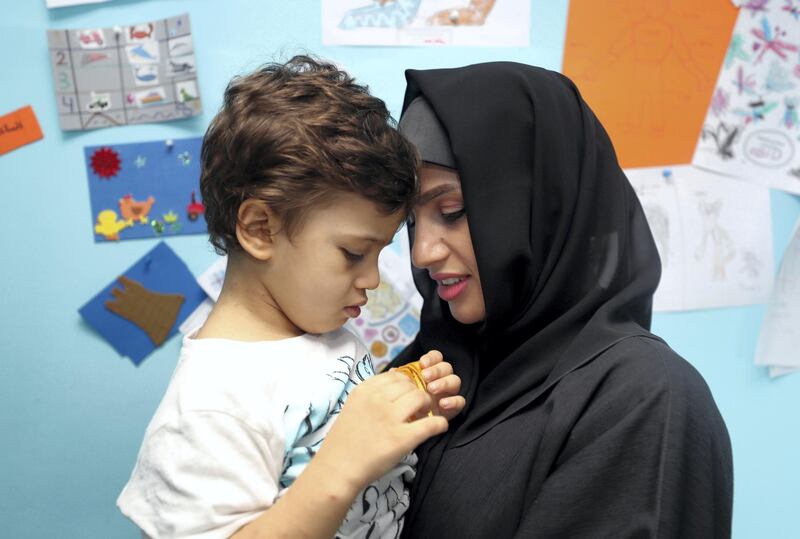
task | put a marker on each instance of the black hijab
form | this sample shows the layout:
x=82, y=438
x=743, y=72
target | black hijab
x=567, y=262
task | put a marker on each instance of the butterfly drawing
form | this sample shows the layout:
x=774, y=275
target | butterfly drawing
x=792, y=8
x=777, y=79
x=736, y=51
x=769, y=41
x=756, y=111
x=745, y=84
x=724, y=137
x=719, y=102
x=755, y=6
x=789, y=119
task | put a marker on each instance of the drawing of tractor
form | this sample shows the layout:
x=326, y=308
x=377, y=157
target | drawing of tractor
x=195, y=209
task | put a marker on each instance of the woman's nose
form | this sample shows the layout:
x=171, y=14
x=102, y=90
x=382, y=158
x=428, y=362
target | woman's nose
x=428, y=248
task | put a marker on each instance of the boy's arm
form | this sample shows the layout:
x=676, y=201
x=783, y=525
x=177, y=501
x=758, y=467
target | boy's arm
x=371, y=434
x=314, y=506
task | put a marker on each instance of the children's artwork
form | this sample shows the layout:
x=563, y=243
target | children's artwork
x=142, y=308
x=778, y=341
x=135, y=74
x=390, y=319
x=751, y=129
x=426, y=22
x=18, y=128
x=145, y=189
x=713, y=234
x=64, y=3
x=647, y=70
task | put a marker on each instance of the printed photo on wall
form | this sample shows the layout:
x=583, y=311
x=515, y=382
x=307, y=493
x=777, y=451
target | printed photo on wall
x=752, y=129
x=486, y=23
x=145, y=189
x=106, y=77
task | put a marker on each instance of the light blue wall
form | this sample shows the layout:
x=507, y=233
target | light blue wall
x=72, y=412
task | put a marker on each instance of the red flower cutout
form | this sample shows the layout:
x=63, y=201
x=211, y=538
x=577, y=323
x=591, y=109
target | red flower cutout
x=106, y=163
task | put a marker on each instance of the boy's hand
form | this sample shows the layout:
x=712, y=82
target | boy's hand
x=372, y=432
x=442, y=384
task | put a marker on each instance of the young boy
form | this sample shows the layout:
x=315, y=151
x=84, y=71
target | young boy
x=304, y=182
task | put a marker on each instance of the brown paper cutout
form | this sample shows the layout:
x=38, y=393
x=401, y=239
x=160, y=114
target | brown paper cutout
x=154, y=312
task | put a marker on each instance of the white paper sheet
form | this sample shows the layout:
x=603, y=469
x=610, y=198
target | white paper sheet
x=713, y=234
x=211, y=279
x=64, y=3
x=752, y=128
x=779, y=340
x=425, y=23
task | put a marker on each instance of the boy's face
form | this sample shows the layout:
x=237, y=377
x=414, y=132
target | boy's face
x=318, y=278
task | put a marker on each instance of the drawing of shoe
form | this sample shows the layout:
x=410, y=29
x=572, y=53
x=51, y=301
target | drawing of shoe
x=381, y=14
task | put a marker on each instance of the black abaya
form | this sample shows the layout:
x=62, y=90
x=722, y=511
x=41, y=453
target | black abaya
x=579, y=421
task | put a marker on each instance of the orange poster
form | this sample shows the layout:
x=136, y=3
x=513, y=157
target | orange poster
x=18, y=128
x=648, y=69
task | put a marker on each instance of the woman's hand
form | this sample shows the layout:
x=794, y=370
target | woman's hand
x=442, y=385
x=373, y=431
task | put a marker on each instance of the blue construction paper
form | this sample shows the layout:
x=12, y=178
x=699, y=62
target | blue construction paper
x=170, y=174
x=160, y=270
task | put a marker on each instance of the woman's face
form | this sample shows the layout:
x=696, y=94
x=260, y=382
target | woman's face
x=442, y=244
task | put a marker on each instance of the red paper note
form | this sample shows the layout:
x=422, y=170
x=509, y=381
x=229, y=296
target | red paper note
x=18, y=128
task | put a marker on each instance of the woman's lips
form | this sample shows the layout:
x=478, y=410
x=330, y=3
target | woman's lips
x=449, y=292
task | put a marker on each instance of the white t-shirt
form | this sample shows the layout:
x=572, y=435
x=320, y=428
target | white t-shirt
x=238, y=423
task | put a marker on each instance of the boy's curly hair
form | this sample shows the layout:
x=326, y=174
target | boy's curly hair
x=295, y=134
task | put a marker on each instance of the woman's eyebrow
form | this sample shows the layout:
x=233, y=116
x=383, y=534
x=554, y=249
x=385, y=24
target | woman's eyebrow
x=437, y=191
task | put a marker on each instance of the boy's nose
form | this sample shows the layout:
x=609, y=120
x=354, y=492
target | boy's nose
x=370, y=279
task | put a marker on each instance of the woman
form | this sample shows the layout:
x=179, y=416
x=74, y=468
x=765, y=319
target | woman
x=537, y=268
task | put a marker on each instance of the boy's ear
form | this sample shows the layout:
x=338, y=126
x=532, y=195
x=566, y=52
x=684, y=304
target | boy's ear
x=256, y=228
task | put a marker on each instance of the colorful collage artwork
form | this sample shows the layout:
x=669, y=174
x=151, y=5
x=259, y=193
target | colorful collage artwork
x=752, y=127
x=487, y=23
x=144, y=306
x=125, y=75
x=145, y=189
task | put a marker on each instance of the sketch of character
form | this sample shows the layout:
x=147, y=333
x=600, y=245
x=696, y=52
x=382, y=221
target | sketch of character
x=722, y=248
x=751, y=264
x=654, y=43
x=658, y=219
